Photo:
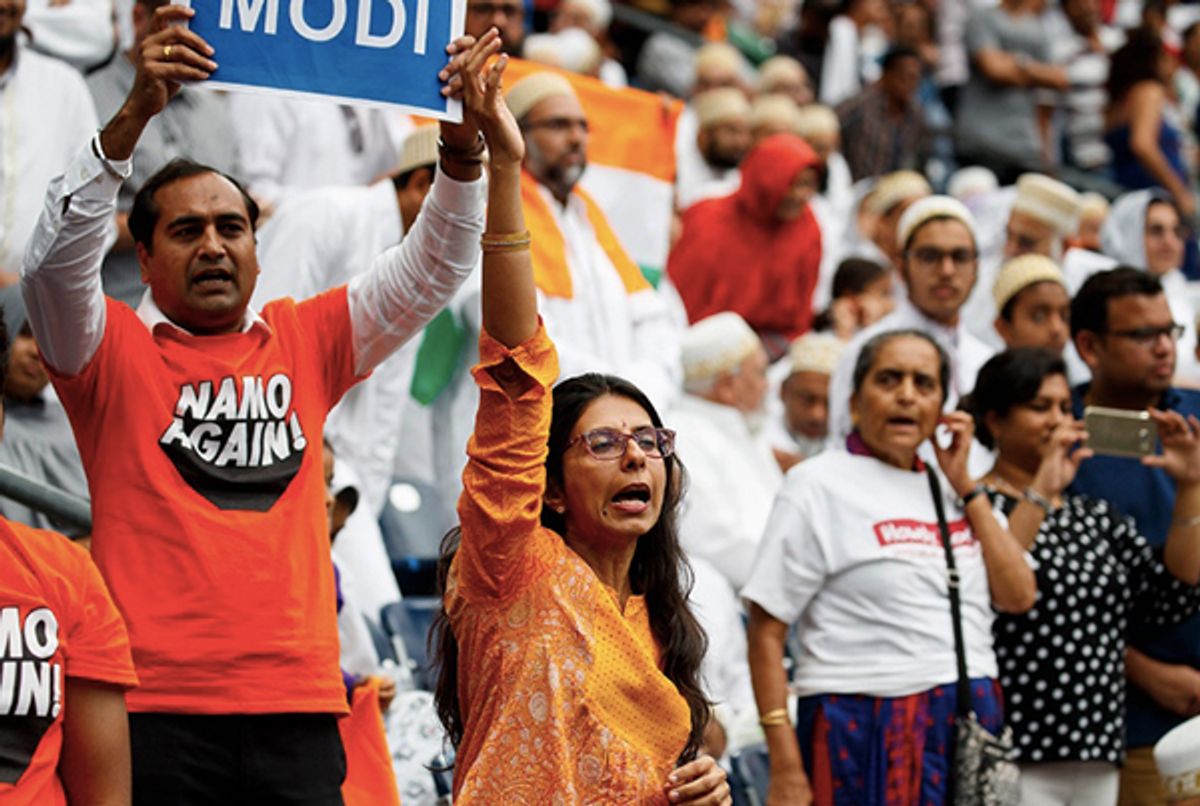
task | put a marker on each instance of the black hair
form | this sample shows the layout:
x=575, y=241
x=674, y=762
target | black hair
x=870, y=351
x=895, y=54
x=143, y=217
x=400, y=181
x=1134, y=62
x=854, y=274
x=659, y=571
x=1089, y=308
x=1009, y=379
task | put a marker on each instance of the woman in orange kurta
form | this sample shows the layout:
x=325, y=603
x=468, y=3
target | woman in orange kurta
x=570, y=663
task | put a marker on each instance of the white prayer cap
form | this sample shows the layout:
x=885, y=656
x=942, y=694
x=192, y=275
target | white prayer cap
x=599, y=11
x=543, y=49
x=578, y=51
x=1053, y=203
x=1177, y=756
x=1092, y=205
x=720, y=105
x=815, y=352
x=971, y=181
x=895, y=188
x=774, y=110
x=419, y=149
x=715, y=345
x=929, y=208
x=533, y=89
x=1021, y=272
x=719, y=56
x=814, y=120
x=779, y=71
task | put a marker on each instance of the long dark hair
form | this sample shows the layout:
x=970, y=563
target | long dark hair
x=659, y=572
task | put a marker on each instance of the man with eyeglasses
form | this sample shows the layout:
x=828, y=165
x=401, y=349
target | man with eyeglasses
x=1123, y=329
x=598, y=308
x=936, y=237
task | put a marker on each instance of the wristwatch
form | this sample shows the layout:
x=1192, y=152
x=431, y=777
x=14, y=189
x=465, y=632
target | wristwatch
x=978, y=490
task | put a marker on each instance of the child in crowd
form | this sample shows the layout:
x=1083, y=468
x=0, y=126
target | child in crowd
x=862, y=295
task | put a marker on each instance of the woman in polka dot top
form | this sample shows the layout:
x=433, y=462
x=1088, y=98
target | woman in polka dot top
x=1062, y=664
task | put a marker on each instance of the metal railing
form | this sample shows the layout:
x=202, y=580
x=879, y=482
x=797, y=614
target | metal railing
x=61, y=506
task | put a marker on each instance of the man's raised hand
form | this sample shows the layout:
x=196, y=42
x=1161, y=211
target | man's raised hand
x=168, y=57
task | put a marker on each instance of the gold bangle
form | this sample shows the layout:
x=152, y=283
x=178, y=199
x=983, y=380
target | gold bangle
x=772, y=718
x=515, y=246
x=504, y=237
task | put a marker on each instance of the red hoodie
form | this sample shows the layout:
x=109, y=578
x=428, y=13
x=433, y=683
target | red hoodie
x=735, y=255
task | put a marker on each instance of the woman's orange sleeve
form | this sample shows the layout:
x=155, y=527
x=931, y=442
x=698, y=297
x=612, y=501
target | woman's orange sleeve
x=505, y=478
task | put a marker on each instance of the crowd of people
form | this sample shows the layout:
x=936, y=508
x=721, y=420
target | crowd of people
x=892, y=418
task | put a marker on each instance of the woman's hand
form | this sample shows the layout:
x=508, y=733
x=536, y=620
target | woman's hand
x=788, y=790
x=953, y=460
x=469, y=79
x=700, y=782
x=1061, y=459
x=1180, y=455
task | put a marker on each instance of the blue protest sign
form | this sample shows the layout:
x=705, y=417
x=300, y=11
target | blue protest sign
x=384, y=52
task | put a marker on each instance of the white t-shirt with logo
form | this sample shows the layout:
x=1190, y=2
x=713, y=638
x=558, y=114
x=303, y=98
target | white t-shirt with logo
x=852, y=554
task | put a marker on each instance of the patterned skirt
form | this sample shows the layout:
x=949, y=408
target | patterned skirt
x=876, y=751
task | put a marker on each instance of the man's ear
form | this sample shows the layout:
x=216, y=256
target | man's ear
x=143, y=256
x=1004, y=328
x=1087, y=344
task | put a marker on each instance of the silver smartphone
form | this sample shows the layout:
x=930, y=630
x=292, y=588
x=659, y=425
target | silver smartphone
x=1120, y=432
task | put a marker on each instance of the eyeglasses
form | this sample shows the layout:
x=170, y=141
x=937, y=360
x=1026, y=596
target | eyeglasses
x=1149, y=336
x=609, y=444
x=558, y=124
x=932, y=257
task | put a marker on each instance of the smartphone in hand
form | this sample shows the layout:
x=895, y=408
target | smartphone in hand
x=1120, y=432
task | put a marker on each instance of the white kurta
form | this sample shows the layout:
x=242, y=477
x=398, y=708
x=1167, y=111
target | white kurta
x=318, y=240
x=46, y=117
x=732, y=481
x=292, y=143
x=967, y=354
x=603, y=327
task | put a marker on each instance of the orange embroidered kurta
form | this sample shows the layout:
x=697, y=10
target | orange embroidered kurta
x=562, y=698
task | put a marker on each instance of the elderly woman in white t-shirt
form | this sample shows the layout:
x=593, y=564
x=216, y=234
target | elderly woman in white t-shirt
x=853, y=555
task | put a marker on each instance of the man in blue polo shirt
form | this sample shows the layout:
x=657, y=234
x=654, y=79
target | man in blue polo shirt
x=1124, y=332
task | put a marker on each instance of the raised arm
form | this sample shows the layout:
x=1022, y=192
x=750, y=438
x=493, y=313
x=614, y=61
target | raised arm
x=1010, y=578
x=1180, y=457
x=60, y=279
x=504, y=480
x=408, y=285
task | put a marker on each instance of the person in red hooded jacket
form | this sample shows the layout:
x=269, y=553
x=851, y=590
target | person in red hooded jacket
x=757, y=251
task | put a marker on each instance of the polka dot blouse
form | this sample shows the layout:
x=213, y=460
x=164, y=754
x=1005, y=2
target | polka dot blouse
x=1062, y=664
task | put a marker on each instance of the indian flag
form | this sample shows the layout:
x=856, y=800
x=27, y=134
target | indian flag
x=631, y=161
x=630, y=175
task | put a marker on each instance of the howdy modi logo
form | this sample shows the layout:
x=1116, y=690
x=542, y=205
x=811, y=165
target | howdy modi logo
x=918, y=533
x=237, y=443
x=31, y=685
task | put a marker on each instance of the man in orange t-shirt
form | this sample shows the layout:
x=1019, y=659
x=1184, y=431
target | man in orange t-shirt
x=64, y=669
x=199, y=423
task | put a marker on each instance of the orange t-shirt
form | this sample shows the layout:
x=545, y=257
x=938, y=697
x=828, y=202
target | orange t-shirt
x=203, y=456
x=561, y=692
x=56, y=621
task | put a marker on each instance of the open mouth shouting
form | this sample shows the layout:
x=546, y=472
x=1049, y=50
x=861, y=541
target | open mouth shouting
x=632, y=499
x=214, y=279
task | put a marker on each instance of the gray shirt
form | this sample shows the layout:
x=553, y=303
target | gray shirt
x=38, y=443
x=995, y=118
x=195, y=124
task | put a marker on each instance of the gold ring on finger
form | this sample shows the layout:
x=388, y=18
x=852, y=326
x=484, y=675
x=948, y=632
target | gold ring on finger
x=166, y=51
